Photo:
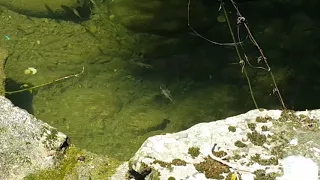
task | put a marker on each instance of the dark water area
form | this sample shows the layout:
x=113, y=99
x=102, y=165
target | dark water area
x=147, y=73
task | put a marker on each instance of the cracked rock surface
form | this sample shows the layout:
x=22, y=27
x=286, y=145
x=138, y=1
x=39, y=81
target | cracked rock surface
x=251, y=146
x=27, y=144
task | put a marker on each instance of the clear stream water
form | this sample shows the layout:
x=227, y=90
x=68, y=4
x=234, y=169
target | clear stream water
x=117, y=102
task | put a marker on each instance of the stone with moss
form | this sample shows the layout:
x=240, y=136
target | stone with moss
x=268, y=147
x=71, y=167
x=31, y=149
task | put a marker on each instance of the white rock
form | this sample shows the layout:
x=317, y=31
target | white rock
x=263, y=150
x=300, y=168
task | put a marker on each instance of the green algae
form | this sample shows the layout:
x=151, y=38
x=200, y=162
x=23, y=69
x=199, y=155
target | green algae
x=260, y=119
x=194, y=151
x=252, y=126
x=264, y=128
x=69, y=167
x=174, y=162
x=262, y=175
x=240, y=144
x=232, y=128
x=257, y=138
x=211, y=168
x=271, y=161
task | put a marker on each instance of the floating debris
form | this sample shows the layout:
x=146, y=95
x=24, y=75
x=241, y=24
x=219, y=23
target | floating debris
x=30, y=71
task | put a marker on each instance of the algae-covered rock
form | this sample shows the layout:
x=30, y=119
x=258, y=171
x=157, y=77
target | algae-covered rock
x=78, y=164
x=3, y=57
x=27, y=144
x=31, y=149
x=42, y=8
x=161, y=16
x=290, y=135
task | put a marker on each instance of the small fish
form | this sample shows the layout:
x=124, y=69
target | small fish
x=76, y=13
x=166, y=93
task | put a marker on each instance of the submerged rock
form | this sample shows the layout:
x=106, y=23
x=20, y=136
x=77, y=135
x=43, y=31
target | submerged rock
x=251, y=146
x=27, y=144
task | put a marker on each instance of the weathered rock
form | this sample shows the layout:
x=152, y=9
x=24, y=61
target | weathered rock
x=159, y=16
x=251, y=145
x=27, y=144
x=42, y=8
x=3, y=57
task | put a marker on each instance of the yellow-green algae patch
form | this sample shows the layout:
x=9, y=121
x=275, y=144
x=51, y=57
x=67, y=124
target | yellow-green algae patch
x=232, y=128
x=212, y=169
x=175, y=162
x=194, y=151
x=70, y=166
x=240, y=144
x=260, y=119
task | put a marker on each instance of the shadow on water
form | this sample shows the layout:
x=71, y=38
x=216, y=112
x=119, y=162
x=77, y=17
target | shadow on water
x=118, y=103
x=22, y=99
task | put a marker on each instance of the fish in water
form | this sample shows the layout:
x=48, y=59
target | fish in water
x=166, y=93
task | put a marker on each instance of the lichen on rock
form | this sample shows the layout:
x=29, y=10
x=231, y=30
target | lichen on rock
x=254, y=151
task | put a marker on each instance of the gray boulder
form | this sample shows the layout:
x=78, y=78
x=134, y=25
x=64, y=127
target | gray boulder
x=259, y=144
x=27, y=144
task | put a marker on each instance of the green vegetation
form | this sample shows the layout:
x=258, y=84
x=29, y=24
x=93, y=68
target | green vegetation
x=240, y=144
x=271, y=161
x=212, y=169
x=262, y=175
x=232, y=128
x=194, y=151
x=257, y=138
x=70, y=167
x=262, y=119
x=116, y=103
x=252, y=126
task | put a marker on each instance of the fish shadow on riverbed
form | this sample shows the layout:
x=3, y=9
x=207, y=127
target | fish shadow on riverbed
x=159, y=127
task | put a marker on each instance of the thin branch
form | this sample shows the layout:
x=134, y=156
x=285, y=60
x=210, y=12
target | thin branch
x=242, y=20
x=199, y=35
x=51, y=82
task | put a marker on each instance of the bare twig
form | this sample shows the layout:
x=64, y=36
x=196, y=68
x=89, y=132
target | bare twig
x=199, y=35
x=44, y=84
x=242, y=21
x=241, y=61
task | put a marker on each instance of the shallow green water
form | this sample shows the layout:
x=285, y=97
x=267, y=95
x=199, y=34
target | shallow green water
x=113, y=106
x=117, y=102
